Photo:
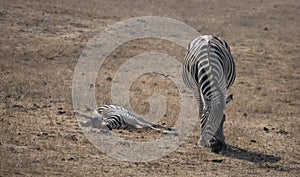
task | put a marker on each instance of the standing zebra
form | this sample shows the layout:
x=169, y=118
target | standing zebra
x=209, y=70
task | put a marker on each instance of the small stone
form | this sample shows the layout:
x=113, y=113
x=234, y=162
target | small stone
x=109, y=79
x=217, y=160
x=42, y=134
x=36, y=106
x=17, y=106
x=71, y=159
x=88, y=109
x=283, y=132
x=60, y=111
x=71, y=137
x=266, y=129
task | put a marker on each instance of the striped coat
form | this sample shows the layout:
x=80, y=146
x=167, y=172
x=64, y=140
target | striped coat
x=209, y=70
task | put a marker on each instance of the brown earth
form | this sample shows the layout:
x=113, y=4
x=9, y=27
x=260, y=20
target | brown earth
x=40, y=46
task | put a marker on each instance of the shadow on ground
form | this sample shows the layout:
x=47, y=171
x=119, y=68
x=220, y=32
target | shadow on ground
x=239, y=153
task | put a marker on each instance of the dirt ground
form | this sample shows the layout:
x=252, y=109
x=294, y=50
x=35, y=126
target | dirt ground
x=40, y=46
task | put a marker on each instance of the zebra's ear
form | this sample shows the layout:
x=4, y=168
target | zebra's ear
x=96, y=113
x=229, y=98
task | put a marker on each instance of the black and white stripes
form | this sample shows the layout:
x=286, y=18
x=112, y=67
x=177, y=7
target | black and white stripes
x=209, y=70
x=116, y=117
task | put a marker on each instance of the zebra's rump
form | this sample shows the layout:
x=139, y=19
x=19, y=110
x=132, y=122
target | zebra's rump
x=207, y=58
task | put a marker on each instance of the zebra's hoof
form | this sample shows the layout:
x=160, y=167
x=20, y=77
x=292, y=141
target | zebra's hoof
x=217, y=146
x=171, y=129
x=166, y=132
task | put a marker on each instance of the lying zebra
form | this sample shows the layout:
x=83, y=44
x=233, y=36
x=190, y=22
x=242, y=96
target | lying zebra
x=115, y=117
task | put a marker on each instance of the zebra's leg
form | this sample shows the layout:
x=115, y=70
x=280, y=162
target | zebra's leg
x=203, y=117
x=220, y=133
x=140, y=123
x=161, y=130
x=203, y=141
x=163, y=127
x=218, y=144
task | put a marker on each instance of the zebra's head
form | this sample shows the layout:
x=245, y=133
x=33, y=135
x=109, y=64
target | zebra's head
x=212, y=136
x=99, y=122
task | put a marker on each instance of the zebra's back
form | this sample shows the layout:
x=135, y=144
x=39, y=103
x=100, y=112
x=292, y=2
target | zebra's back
x=208, y=60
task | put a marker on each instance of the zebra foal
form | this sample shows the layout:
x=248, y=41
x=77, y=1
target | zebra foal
x=209, y=70
x=111, y=117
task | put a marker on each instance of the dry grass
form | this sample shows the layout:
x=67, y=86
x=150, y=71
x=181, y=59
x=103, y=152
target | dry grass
x=40, y=46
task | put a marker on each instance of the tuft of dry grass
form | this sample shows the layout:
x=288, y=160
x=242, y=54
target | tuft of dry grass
x=40, y=46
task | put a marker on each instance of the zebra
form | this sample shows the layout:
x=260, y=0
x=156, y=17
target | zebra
x=111, y=117
x=209, y=70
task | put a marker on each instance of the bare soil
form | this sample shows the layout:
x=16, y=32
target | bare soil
x=40, y=46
